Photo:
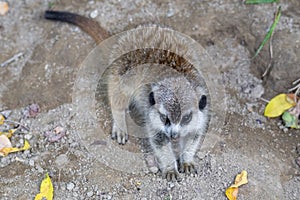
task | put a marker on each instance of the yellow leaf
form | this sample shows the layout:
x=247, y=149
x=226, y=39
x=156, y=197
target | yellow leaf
x=278, y=105
x=9, y=133
x=240, y=179
x=26, y=145
x=1, y=119
x=6, y=150
x=46, y=189
x=231, y=193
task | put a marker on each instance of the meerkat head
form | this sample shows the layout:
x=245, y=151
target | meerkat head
x=176, y=108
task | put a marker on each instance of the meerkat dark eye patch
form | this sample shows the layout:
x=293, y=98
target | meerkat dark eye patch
x=186, y=118
x=151, y=99
x=164, y=119
x=202, y=102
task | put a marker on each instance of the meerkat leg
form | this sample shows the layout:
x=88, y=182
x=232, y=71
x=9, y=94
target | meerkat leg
x=162, y=148
x=118, y=103
x=119, y=129
x=188, y=151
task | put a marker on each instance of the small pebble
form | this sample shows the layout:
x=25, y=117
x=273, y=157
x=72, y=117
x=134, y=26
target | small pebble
x=90, y=194
x=31, y=163
x=76, y=188
x=70, y=186
x=201, y=155
x=28, y=136
x=153, y=169
x=6, y=113
x=39, y=169
x=170, y=12
x=62, y=160
x=94, y=14
x=171, y=185
x=75, y=194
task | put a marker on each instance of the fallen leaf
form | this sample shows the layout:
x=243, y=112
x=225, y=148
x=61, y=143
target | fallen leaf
x=4, y=142
x=56, y=134
x=6, y=150
x=240, y=179
x=290, y=120
x=3, y=7
x=9, y=133
x=34, y=110
x=278, y=105
x=232, y=193
x=2, y=118
x=46, y=189
x=292, y=97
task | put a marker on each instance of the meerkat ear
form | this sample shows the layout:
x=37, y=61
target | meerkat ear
x=202, y=102
x=151, y=99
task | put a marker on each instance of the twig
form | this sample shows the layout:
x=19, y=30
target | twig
x=264, y=100
x=296, y=81
x=8, y=121
x=12, y=59
x=297, y=88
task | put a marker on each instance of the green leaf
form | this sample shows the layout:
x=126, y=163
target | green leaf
x=261, y=1
x=270, y=32
x=290, y=120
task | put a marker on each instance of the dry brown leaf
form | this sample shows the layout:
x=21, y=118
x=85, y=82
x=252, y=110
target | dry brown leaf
x=3, y=7
x=4, y=141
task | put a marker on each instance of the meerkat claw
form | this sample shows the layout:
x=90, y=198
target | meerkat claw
x=119, y=135
x=172, y=176
x=188, y=168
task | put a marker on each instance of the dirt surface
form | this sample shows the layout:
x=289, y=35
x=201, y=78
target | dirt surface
x=48, y=71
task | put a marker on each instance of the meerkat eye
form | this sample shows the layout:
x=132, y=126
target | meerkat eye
x=187, y=118
x=164, y=119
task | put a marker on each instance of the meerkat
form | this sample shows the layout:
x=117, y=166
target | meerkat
x=160, y=89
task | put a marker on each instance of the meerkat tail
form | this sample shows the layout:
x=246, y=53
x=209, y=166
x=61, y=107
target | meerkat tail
x=89, y=26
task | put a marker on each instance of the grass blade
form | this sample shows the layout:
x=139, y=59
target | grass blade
x=270, y=32
x=261, y=1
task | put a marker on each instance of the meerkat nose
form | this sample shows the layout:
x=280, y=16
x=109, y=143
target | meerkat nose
x=174, y=134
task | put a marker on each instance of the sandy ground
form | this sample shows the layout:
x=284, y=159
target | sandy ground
x=48, y=72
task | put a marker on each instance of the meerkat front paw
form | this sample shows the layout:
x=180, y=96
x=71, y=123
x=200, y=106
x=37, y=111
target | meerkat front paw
x=118, y=134
x=188, y=168
x=171, y=175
